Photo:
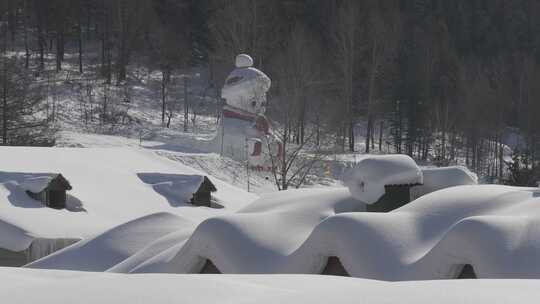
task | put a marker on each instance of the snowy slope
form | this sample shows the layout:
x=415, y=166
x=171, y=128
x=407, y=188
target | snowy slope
x=52, y=287
x=109, y=189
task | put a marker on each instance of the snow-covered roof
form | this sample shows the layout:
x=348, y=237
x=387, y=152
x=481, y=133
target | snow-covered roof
x=291, y=214
x=368, y=177
x=494, y=228
x=36, y=184
x=108, y=191
x=178, y=188
x=444, y=177
x=114, y=246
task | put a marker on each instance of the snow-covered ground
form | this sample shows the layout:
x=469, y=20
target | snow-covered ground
x=52, y=287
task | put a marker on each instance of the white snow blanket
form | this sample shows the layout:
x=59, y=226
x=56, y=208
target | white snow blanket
x=53, y=287
x=496, y=229
x=367, y=178
x=111, y=186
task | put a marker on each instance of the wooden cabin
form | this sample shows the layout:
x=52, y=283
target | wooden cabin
x=50, y=190
x=395, y=196
x=203, y=195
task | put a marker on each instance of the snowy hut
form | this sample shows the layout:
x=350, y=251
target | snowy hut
x=49, y=189
x=203, y=195
x=384, y=182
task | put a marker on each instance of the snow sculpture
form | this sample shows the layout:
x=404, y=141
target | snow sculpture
x=245, y=132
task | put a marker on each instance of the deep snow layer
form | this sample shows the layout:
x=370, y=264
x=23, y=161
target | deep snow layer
x=52, y=287
x=494, y=228
x=111, y=186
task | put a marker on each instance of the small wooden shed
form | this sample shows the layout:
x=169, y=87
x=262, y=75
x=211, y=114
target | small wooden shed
x=203, y=195
x=395, y=196
x=50, y=190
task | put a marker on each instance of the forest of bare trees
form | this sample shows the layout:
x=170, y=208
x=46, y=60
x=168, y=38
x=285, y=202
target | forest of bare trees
x=439, y=80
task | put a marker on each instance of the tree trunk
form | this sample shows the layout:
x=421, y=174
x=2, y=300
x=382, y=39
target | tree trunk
x=372, y=73
x=41, y=41
x=164, y=81
x=368, y=134
x=26, y=46
x=381, y=135
x=79, y=27
x=4, y=89
x=186, y=104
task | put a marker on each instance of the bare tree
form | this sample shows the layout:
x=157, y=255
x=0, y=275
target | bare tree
x=297, y=73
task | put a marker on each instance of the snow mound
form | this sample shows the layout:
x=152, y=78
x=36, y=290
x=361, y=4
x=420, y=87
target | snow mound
x=366, y=180
x=88, y=288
